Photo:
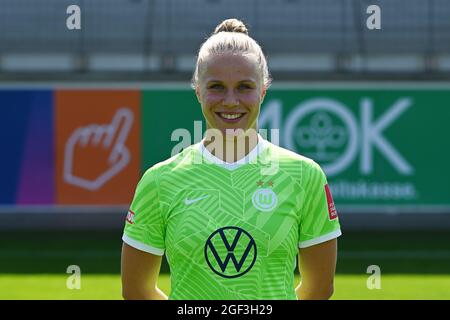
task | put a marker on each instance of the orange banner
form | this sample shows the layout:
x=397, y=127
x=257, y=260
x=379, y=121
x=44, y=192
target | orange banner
x=97, y=146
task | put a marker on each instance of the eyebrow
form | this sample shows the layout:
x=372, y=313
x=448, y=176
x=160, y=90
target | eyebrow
x=245, y=80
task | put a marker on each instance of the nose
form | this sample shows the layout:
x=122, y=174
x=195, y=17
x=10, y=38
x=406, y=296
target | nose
x=230, y=99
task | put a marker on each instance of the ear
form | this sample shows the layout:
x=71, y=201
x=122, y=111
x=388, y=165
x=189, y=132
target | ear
x=263, y=93
x=197, y=93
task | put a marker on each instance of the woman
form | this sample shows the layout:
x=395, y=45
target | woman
x=234, y=211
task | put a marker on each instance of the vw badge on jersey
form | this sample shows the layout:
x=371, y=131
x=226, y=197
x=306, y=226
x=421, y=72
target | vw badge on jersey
x=230, y=244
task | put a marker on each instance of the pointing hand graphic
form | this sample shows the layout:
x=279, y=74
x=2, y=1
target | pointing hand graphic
x=96, y=153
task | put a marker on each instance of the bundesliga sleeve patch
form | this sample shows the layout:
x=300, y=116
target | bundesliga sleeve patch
x=130, y=217
x=332, y=213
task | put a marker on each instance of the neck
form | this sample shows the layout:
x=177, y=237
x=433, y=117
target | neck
x=231, y=148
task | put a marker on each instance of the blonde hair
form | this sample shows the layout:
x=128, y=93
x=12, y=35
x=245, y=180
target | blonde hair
x=231, y=36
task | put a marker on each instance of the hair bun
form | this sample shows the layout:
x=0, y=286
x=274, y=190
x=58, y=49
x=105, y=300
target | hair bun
x=231, y=25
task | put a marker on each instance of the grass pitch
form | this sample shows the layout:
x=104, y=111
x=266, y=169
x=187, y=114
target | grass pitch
x=107, y=287
x=414, y=265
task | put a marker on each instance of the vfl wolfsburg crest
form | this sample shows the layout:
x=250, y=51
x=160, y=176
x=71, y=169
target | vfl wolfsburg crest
x=264, y=199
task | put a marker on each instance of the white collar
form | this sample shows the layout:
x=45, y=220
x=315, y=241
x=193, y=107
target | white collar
x=250, y=157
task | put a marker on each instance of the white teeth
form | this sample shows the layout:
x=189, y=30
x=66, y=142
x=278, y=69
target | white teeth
x=231, y=116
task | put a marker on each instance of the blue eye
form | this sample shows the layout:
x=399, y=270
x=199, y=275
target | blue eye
x=245, y=86
x=215, y=86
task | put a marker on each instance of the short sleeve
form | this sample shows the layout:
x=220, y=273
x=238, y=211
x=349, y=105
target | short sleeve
x=319, y=221
x=144, y=226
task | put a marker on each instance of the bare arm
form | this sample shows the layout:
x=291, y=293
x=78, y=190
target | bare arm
x=140, y=271
x=317, y=265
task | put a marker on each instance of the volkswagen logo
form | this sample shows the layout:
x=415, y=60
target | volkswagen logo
x=230, y=244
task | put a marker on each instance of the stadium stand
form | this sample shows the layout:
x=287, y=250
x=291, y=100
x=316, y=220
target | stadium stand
x=162, y=36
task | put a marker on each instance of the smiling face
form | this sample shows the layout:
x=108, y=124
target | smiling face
x=230, y=90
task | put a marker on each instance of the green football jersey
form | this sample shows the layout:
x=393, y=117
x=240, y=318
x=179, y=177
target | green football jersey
x=232, y=230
